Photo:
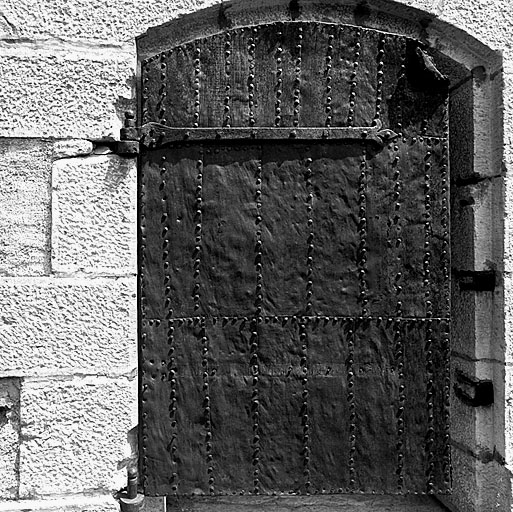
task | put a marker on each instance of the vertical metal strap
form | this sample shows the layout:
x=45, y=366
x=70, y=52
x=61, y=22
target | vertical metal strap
x=279, y=78
x=251, y=78
x=362, y=230
x=379, y=78
x=351, y=336
x=354, y=73
x=254, y=362
x=227, y=74
x=327, y=73
x=197, y=99
x=297, y=79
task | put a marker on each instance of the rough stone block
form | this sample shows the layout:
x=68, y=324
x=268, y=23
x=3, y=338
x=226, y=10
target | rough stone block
x=94, y=215
x=63, y=94
x=25, y=169
x=65, y=326
x=112, y=20
x=9, y=437
x=74, y=434
x=72, y=147
x=82, y=503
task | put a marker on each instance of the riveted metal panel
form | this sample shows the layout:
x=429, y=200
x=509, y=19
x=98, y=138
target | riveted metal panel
x=294, y=265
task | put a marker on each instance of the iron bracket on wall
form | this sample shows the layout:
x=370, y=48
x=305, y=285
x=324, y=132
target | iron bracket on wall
x=473, y=391
x=476, y=280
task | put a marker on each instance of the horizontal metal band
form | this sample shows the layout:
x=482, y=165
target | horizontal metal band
x=156, y=135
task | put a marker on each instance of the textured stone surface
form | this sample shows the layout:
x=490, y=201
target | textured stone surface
x=105, y=20
x=72, y=147
x=74, y=434
x=64, y=326
x=25, y=169
x=64, y=96
x=94, y=215
x=80, y=503
x=9, y=437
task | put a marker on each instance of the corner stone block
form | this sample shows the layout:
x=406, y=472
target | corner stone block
x=66, y=326
x=74, y=435
x=64, y=95
x=25, y=174
x=9, y=437
x=94, y=215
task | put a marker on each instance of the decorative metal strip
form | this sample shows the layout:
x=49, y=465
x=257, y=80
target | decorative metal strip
x=227, y=72
x=297, y=79
x=197, y=99
x=354, y=73
x=379, y=77
x=251, y=77
x=155, y=135
x=279, y=78
x=352, y=405
x=327, y=74
x=362, y=230
x=303, y=339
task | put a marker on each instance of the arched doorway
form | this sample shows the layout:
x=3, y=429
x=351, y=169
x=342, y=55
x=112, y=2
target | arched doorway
x=268, y=140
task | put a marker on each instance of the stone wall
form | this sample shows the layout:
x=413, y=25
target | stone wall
x=68, y=318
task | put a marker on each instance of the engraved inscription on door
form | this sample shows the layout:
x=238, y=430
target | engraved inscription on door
x=294, y=265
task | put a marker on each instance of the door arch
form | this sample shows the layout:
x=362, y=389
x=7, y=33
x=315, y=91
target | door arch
x=299, y=112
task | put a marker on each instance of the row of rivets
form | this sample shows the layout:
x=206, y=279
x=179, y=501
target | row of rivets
x=352, y=89
x=362, y=231
x=255, y=405
x=430, y=433
x=254, y=361
x=401, y=86
x=444, y=176
x=279, y=78
x=206, y=404
x=399, y=361
x=297, y=80
x=251, y=77
x=198, y=233
x=352, y=407
x=427, y=230
x=172, y=376
x=145, y=91
x=144, y=437
x=197, y=72
x=227, y=71
x=327, y=73
x=310, y=241
x=446, y=457
x=161, y=109
x=305, y=422
x=379, y=78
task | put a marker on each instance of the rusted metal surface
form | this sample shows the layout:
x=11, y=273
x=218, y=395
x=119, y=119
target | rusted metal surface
x=295, y=75
x=294, y=289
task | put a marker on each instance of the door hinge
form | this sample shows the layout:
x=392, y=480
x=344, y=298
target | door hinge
x=129, y=137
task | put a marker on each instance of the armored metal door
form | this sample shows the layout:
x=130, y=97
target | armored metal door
x=294, y=264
